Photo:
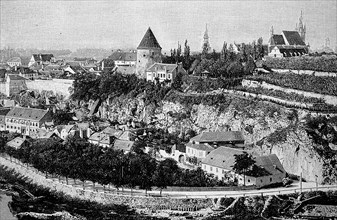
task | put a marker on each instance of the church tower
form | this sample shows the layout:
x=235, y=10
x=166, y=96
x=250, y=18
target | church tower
x=301, y=28
x=206, y=47
x=148, y=53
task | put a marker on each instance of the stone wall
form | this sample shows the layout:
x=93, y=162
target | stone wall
x=58, y=86
x=307, y=72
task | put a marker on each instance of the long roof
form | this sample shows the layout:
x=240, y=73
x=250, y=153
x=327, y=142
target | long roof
x=270, y=163
x=43, y=57
x=100, y=137
x=149, y=41
x=202, y=147
x=16, y=142
x=27, y=113
x=123, y=145
x=162, y=66
x=16, y=77
x=222, y=157
x=293, y=38
x=219, y=136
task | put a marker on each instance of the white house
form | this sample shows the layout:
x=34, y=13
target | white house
x=198, y=150
x=163, y=71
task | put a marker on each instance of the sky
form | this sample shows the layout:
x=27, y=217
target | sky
x=122, y=24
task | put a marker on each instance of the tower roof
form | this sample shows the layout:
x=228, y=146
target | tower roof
x=149, y=41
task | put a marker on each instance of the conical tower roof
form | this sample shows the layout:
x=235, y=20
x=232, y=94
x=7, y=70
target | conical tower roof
x=149, y=41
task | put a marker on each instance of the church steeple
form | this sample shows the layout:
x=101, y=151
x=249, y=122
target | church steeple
x=301, y=28
x=206, y=47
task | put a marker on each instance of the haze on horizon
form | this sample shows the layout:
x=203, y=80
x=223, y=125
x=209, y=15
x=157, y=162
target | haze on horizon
x=117, y=24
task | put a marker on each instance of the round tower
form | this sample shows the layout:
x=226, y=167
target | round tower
x=148, y=53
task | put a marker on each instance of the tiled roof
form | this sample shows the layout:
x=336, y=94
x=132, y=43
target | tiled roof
x=27, y=113
x=277, y=39
x=270, y=163
x=293, y=38
x=16, y=77
x=125, y=56
x=112, y=131
x=123, y=145
x=149, y=41
x=203, y=147
x=222, y=157
x=16, y=142
x=219, y=136
x=162, y=66
x=101, y=138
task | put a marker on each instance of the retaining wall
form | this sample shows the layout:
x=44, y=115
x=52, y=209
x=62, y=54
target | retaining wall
x=58, y=86
x=307, y=72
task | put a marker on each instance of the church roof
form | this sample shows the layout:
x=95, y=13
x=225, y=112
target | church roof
x=277, y=39
x=293, y=38
x=149, y=41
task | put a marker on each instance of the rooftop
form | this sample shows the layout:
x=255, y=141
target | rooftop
x=27, y=113
x=16, y=142
x=162, y=66
x=219, y=136
x=149, y=41
x=203, y=147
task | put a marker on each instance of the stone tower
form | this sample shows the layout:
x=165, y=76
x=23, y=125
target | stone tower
x=206, y=47
x=148, y=53
x=301, y=28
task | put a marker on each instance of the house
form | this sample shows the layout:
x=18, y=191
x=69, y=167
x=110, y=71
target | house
x=3, y=113
x=219, y=162
x=270, y=172
x=178, y=153
x=14, y=61
x=26, y=120
x=163, y=71
x=218, y=138
x=123, y=145
x=198, y=150
x=44, y=134
x=102, y=139
x=17, y=142
x=122, y=58
x=267, y=169
x=41, y=59
x=288, y=43
x=66, y=131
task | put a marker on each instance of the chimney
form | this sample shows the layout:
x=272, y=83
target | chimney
x=81, y=133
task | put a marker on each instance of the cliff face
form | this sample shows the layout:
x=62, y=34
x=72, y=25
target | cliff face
x=267, y=128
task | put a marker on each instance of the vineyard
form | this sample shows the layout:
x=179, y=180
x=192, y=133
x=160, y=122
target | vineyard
x=322, y=63
x=321, y=85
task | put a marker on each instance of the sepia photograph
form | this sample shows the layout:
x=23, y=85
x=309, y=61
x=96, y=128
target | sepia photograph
x=159, y=110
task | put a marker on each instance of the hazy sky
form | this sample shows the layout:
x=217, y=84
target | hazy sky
x=117, y=24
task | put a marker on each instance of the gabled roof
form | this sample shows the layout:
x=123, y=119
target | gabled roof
x=270, y=163
x=113, y=132
x=16, y=142
x=101, y=138
x=27, y=113
x=68, y=128
x=219, y=136
x=277, y=39
x=293, y=38
x=149, y=41
x=222, y=157
x=126, y=69
x=162, y=66
x=202, y=147
x=123, y=145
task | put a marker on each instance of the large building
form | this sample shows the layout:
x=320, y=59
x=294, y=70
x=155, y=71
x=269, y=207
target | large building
x=122, y=58
x=26, y=120
x=288, y=43
x=148, y=53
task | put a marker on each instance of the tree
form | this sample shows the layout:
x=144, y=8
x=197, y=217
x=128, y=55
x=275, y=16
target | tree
x=177, y=81
x=243, y=163
x=165, y=173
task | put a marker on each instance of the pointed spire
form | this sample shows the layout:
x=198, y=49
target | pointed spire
x=149, y=41
x=271, y=31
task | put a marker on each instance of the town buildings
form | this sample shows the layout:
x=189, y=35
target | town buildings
x=122, y=58
x=13, y=84
x=14, y=61
x=41, y=59
x=288, y=43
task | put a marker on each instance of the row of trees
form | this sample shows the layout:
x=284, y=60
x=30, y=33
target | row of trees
x=82, y=160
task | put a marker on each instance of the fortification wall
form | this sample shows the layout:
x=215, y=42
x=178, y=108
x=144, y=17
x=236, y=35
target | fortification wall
x=306, y=72
x=58, y=86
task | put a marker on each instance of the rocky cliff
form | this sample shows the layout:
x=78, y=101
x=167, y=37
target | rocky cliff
x=268, y=128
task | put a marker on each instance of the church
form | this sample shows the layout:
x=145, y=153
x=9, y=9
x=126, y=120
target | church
x=288, y=43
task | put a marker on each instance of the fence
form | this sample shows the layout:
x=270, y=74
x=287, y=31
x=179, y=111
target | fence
x=183, y=202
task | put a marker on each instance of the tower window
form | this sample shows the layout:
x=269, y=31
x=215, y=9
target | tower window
x=152, y=53
x=143, y=55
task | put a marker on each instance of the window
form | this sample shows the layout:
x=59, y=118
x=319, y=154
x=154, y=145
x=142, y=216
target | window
x=261, y=181
x=216, y=170
x=248, y=180
x=143, y=55
x=271, y=179
x=211, y=168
